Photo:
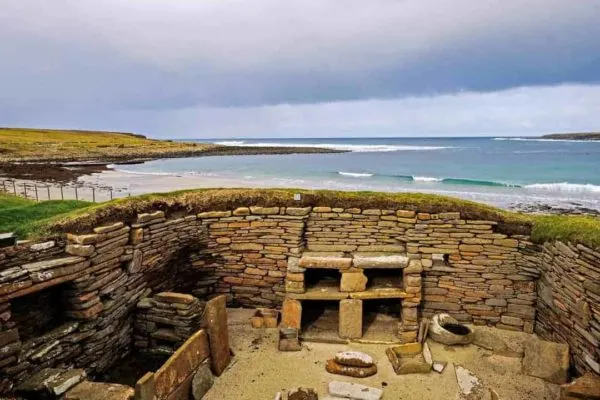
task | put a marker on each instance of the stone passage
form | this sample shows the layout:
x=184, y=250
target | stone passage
x=352, y=280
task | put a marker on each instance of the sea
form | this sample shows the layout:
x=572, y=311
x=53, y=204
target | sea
x=506, y=172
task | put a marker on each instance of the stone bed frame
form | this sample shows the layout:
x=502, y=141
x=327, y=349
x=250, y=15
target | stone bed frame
x=467, y=268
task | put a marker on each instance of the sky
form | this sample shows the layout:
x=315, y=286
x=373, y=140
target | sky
x=302, y=68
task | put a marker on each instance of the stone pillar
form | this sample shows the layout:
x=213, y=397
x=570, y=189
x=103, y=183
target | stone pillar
x=351, y=317
x=411, y=281
x=291, y=314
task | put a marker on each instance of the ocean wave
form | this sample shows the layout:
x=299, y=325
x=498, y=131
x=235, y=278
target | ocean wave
x=426, y=179
x=156, y=173
x=565, y=187
x=355, y=174
x=355, y=148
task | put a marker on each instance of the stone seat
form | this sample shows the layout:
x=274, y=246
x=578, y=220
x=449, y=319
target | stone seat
x=379, y=260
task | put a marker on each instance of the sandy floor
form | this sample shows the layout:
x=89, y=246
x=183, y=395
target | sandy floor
x=259, y=371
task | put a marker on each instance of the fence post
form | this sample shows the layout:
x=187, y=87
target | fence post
x=76, y=196
x=25, y=189
x=111, y=195
x=36, y=193
x=93, y=195
x=62, y=196
x=48, y=188
x=4, y=185
x=15, y=187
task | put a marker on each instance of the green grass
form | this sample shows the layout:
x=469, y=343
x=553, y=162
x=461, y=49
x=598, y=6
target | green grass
x=30, y=218
x=49, y=218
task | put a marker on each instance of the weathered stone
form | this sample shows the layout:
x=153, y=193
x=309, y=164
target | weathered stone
x=147, y=217
x=80, y=249
x=215, y=323
x=246, y=246
x=214, y=214
x=354, y=391
x=241, y=211
x=354, y=359
x=296, y=211
x=325, y=262
x=203, y=381
x=49, y=264
x=469, y=384
x=353, y=282
x=546, y=360
x=350, y=319
x=288, y=340
x=171, y=297
x=378, y=260
x=291, y=313
x=487, y=339
x=144, y=387
x=43, y=246
x=264, y=210
x=108, y=228
x=180, y=366
x=447, y=330
x=302, y=394
x=50, y=382
x=82, y=239
x=100, y=391
x=408, y=359
x=586, y=387
x=334, y=367
x=9, y=336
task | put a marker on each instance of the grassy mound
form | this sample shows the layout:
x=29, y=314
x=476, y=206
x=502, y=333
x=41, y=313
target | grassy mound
x=29, y=218
x=50, y=218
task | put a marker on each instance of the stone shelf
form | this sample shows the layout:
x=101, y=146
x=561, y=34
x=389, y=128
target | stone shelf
x=331, y=291
x=344, y=261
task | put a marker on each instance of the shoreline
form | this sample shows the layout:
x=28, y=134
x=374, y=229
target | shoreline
x=118, y=184
x=70, y=169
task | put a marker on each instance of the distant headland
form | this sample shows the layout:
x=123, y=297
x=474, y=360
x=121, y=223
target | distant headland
x=574, y=136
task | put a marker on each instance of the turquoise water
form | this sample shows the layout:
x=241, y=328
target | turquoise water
x=499, y=171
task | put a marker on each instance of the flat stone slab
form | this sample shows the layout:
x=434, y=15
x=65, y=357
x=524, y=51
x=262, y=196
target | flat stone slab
x=354, y=359
x=354, y=391
x=320, y=293
x=585, y=387
x=334, y=367
x=325, y=262
x=379, y=260
x=100, y=391
x=546, y=360
x=381, y=293
x=469, y=384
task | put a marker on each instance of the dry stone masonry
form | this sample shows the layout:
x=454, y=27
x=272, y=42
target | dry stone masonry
x=106, y=283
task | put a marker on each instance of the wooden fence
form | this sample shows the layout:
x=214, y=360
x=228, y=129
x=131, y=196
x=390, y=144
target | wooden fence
x=56, y=191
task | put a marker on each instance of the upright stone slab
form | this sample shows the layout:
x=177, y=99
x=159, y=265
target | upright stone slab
x=215, y=323
x=291, y=314
x=350, y=325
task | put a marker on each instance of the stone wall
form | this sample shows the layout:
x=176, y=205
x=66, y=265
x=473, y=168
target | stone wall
x=472, y=269
x=569, y=301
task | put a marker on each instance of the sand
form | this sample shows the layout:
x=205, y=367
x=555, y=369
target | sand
x=259, y=370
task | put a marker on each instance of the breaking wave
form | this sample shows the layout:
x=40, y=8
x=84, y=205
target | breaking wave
x=565, y=187
x=356, y=148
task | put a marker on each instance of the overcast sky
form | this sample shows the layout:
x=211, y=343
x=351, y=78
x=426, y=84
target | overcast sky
x=306, y=68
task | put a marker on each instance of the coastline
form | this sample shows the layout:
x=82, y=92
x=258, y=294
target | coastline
x=127, y=183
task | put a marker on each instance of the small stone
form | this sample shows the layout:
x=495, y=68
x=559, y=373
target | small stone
x=354, y=391
x=256, y=322
x=202, y=382
x=354, y=359
x=585, y=387
x=356, y=372
x=291, y=313
x=302, y=394
x=439, y=366
x=353, y=282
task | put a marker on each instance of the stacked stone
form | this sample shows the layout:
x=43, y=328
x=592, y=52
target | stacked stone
x=253, y=244
x=166, y=320
x=569, y=301
x=353, y=229
x=472, y=272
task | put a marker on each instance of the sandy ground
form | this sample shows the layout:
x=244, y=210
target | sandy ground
x=259, y=370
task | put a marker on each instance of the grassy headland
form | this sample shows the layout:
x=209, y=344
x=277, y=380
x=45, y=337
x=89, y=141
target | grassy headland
x=39, y=153
x=81, y=217
x=19, y=144
x=573, y=136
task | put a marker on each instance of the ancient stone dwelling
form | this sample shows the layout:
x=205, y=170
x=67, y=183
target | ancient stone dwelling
x=72, y=300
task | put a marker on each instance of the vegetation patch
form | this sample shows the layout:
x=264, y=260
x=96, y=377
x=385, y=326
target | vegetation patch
x=29, y=218
x=576, y=229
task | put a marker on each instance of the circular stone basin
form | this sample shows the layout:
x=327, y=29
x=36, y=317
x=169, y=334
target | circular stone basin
x=447, y=330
